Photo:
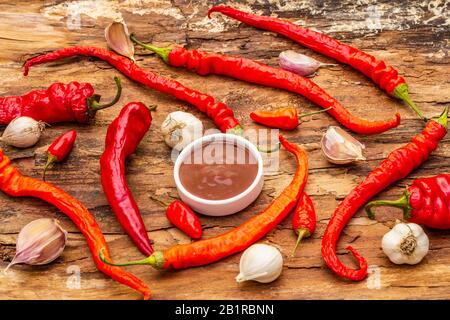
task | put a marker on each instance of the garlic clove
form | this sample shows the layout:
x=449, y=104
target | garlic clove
x=39, y=242
x=181, y=128
x=23, y=132
x=118, y=39
x=260, y=262
x=300, y=63
x=340, y=147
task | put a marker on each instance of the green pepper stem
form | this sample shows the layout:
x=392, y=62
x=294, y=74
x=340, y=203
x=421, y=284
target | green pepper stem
x=238, y=130
x=163, y=53
x=313, y=113
x=302, y=233
x=156, y=260
x=51, y=159
x=401, y=92
x=443, y=118
x=402, y=203
x=93, y=102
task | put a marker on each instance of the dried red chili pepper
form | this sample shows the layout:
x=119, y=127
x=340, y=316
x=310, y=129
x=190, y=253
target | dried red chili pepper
x=426, y=201
x=386, y=77
x=398, y=164
x=204, y=63
x=282, y=118
x=222, y=116
x=304, y=219
x=184, y=219
x=72, y=102
x=60, y=149
x=210, y=250
x=122, y=138
x=13, y=183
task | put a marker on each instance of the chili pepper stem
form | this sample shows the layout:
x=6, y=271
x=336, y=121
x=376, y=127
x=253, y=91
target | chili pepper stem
x=402, y=203
x=156, y=260
x=51, y=159
x=302, y=233
x=401, y=92
x=303, y=115
x=237, y=130
x=443, y=118
x=264, y=150
x=163, y=53
x=93, y=102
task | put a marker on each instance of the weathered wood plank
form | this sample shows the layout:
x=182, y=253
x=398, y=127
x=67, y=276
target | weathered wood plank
x=412, y=37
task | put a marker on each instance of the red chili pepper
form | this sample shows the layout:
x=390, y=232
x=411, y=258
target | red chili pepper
x=386, y=77
x=304, y=219
x=184, y=219
x=60, y=149
x=210, y=250
x=14, y=184
x=283, y=118
x=122, y=138
x=72, y=102
x=254, y=72
x=222, y=116
x=398, y=164
x=426, y=201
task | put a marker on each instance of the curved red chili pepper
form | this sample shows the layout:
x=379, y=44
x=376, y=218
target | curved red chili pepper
x=304, y=219
x=204, y=63
x=184, y=219
x=72, y=102
x=398, y=164
x=386, y=77
x=426, y=201
x=122, y=138
x=222, y=116
x=60, y=149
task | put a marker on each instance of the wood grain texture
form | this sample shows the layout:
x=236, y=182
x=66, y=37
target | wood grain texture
x=411, y=35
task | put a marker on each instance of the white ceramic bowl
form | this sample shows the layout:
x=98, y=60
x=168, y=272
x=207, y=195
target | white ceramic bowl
x=226, y=206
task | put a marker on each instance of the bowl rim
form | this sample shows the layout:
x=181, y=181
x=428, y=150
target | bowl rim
x=213, y=137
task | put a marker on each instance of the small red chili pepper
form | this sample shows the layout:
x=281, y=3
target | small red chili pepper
x=283, y=118
x=14, y=184
x=72, y=102
x=426, y=201
x=219, y=112
x=204, y=63
x=386, y=77
x=304, y=219
x=398, y=164
x=60, y=149
x=122, y=139
x=207, y=251
x=182, y=216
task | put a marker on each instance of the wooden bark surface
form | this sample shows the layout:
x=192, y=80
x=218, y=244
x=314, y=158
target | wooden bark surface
x=413, y=36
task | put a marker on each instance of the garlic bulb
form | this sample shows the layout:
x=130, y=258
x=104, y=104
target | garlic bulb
x=118, y=39
x=23, y=132
x=180, y=128
x=406, y=243
x=300, y=63
x=339, y=147
x=261, y=263
x=39, y=242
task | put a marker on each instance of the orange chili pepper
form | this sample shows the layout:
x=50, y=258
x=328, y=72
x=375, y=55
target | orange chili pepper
x=283, y=118
x=13, y=183
x=210, y=250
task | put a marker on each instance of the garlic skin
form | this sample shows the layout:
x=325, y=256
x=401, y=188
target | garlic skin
x=39, y=242
x=260, y=262
x=339, y=147
x=118, y=39
x=181, y=128
x=300, y=63
x=23, y=132
x=406, y=243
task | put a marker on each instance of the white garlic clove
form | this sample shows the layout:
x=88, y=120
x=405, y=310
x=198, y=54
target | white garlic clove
x=300, y=63
x=260, y=262
x=23, y=132
x=181, y=128
x=340, y=147
x=118, y=39
x=39, y=242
